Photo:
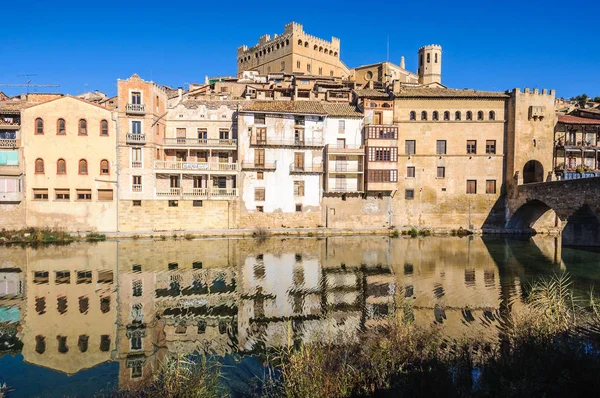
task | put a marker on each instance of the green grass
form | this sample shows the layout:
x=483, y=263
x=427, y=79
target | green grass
x=95, y=237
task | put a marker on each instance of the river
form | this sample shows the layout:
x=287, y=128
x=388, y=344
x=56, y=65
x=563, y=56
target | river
x=86, y=318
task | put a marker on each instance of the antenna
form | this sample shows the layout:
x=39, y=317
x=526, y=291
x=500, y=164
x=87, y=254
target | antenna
x=388, y=49
x=28, y=84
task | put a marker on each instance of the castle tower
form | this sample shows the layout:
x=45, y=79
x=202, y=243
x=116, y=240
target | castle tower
x=430, y=64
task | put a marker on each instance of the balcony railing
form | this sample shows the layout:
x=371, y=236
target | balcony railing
x=344, y=167
x=4, y=125
x=307, y=169
x=194, y=166
x=135, y=109
x=345, y=188
x=346, y=149
x=306, y=142
x=8, y=143
x=136, y=164
x=202, y=142
x=138, y=139
x=259, y=166
x=197, y=193
x=136, y=188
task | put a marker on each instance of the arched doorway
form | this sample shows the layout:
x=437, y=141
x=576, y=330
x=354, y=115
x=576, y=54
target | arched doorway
x=533, y=171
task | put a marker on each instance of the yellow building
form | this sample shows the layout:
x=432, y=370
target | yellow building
x=70, y=165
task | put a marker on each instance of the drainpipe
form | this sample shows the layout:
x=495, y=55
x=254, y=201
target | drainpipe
x=117, y=157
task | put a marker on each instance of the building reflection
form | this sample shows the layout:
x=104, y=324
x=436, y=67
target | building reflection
x=139, y=301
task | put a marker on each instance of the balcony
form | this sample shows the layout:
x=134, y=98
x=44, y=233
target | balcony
x=200, y=142
x=264, y=166
x=11, y=196
x=8, y=143
x=344, y=189
x=345, y=167
x=282, y=142
x=10, y=125
x=197, y=193
x=306, y=169
x=346, y=149
x=195, y=166
x=135, y=109
x=135, y=139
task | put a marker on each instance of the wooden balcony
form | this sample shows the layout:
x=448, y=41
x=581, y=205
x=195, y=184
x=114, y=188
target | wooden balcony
x=8, y=143
x=184, y=166
x=135, y=109
x=135, y=139
x=264, y=166
x=4, y=125
x=197, y=193
x=200, y=143
x=346, y=149
x=306, y=169
x=283, y=142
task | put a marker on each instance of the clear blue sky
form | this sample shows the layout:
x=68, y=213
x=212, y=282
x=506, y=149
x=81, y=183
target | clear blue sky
x=486, y=45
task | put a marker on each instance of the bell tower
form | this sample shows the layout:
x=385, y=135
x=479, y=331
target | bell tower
x=430, y=64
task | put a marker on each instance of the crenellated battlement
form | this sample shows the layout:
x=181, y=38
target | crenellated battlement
x=534, y=91
x=431, y=47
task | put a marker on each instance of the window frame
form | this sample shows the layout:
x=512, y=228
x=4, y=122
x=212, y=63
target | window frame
x=437, y=147
x=58, y=167
x=37, y=128
x=471, y=187
x=80, y=129
x=443, y=172
x=102, y=129
x=43, y=168
x=85, y=162
x=83, y=192
x=406, y=147
x=410, y=172
x=58, y=126
x=423, y=115
x=409, y=194
x=490, y=147
x=102, y=173
x=487, y=187
x=471, y=147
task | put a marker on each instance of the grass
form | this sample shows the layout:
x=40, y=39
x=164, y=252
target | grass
x=261, y=234
x=188, y=236
x=95, y=237
x=36, y=236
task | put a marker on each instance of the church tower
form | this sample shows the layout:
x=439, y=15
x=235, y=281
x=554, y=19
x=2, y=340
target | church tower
x=430, y=64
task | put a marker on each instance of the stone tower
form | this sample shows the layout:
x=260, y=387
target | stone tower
x=430, y=64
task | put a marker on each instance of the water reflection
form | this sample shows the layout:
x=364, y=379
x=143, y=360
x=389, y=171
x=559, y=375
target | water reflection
x=133, y=303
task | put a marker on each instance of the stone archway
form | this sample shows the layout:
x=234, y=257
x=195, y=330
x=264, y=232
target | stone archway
x=533, y=216
x=582, y=228
x=533, y=171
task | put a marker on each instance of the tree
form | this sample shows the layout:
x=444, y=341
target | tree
x=582, y=100
x=597, y=99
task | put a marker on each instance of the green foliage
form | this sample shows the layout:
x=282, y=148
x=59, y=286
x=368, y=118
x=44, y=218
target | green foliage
x=395, y=233
x=188, y=236
x=413, y=232
x=95, y=237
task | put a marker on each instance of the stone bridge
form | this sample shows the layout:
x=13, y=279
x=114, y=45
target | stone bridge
x=570, y=207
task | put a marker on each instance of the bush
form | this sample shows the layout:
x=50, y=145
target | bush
x=413, y=232
x=95, y=237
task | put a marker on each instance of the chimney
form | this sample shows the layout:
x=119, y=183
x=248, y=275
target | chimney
x=180, y=93
x=402, y=64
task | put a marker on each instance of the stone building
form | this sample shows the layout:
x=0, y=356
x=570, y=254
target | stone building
x=294, y=51
x=383, y=73
x=70, y=165
x=12, y=183
x=577, y=147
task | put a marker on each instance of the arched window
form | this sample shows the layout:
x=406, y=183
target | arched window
x=480, y=115
x=428, y=58
x=424, y=115
x=469, y=115
x=104, y=167
x=492, y=115
x=436, y=58
x=61, y=127
x=82, y=127
x=385, y=105
x=457, y=115
x=39, y=166
x=83, y=169
x=306, y=44
x=335, y=54
x=104, y=127
x=287, y=42
x=330, y=52
x=446, y=115
x=435, y=116
x=61, y=166
x=315, y=47
x=299, y=42
x=39, y=126
x=320, y=49
x=413, y=115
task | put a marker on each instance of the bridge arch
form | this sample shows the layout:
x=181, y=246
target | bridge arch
x=534, y=216
x=533, y=171
x=582, y=228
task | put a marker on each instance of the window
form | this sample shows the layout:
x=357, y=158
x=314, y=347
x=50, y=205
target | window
x=298, y=208
x=480, y=115
x=410, y=147
x=105, y=342
x=382, y=133
x=62, y=344
x=259, y=157
x=282, y=66
x=471, y=147
x=490, y=147
x=410, y=172
x=424, y=115
x=490, y=186
x=341, y=126
x=440, y=147
x=446, y=115
x=469, y=115
x=435, y=116
x=62, y=194
x=441, y=172
x=223, y=134
x=84, y=304
x=136, y=185
x=383, y=154
x=260, y=175
x=173, y=203
x=136, y=157
x=82, y=127
x=137, y=288
x=413, y=115
x=428, y=58
x=105, y=276
x=259, y=194
x=457, y=115
x=84, y=277
x=137, y=203
x=104, y=168
x=320, y=71
x=105, y=194
x=40, y=194
x=136, y=127
x=104, y=128
x=39, y=126
x=260, y=209
x=382, y=176
x=308, y=67
x=259, y=118
x=39, y=166
x=492, y=115
x=471, y=186
x=61, y=166
x=83, y=169
x=61, y=127
x=136, y=97
x=298, y=63
x=84, y=194
x=298, y=188
x=62, y=277
x=409, y=194
x=40, y=277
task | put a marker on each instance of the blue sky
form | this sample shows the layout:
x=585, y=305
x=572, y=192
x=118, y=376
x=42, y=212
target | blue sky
x=486, y=45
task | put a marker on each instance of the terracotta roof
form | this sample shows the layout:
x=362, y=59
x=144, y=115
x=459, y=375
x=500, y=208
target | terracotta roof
x=14, y=107
x=591, y=110
x=568, y=119
x=301, y=107
x=371, y=93
x=430, y=92
x=343, y=110
x=194, y=104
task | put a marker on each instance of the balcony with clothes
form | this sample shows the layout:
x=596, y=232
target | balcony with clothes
x=10, y=120
x=188, y=187
x=194, y=161
x=201, y=139
x=9, y=139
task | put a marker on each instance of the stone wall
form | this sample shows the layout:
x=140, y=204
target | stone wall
x=311, y=219
x=357, y=212
x=13, y=216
